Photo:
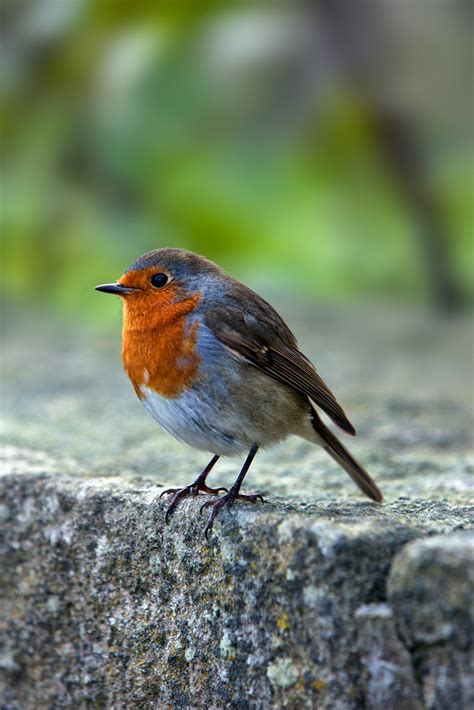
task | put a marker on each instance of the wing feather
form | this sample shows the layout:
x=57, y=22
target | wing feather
x=266, y=343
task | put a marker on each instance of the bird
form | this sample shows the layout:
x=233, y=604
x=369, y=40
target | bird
x=218, y=368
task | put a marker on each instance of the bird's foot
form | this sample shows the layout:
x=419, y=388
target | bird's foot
x=226, y=501
x=192, y=490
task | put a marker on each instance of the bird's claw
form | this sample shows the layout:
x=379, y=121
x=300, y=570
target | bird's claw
x=213, y=491
x=179, y=493
x=168, y=491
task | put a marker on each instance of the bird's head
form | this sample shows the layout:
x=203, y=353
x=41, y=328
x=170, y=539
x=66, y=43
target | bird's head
x=164, y=282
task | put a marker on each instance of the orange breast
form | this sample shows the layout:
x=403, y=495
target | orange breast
x=158, y=351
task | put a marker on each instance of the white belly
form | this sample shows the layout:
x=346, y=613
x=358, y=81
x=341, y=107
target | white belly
x=187, y=420
x=231, y=413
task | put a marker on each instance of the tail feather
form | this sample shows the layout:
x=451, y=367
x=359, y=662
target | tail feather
x=341, y=455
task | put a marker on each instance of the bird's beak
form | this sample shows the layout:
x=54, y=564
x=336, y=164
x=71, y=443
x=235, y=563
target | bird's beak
x=118, y=289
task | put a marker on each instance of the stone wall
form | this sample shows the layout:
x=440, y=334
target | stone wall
x=334, y=605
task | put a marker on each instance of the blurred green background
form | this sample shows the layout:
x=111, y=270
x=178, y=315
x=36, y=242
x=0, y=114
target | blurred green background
x=324, y=149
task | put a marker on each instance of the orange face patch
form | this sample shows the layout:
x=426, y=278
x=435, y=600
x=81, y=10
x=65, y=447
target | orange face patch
x=157, y=349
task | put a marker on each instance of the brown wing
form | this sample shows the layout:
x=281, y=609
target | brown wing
x=255, y=332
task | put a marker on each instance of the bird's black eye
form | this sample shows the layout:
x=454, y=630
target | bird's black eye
x=159, y=280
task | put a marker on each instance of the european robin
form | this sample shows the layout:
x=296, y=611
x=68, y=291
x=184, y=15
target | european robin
x=219, y=369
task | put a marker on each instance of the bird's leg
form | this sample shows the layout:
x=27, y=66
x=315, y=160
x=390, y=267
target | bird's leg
x=193, y=489
x=228, y=500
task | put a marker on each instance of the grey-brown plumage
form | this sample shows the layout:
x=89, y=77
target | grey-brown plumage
x=251, y=329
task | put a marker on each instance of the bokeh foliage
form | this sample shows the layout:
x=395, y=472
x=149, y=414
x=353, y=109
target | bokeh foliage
x=232, y=131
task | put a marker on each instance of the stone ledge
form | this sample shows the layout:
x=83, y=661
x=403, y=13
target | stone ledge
x=104, y=606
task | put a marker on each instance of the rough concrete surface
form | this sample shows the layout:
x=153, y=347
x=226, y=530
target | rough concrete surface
x=316, y=599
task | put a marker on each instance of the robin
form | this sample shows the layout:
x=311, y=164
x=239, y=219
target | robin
x=219, y=369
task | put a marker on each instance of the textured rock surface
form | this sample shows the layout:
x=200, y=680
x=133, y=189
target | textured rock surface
x=389, y=680
x=109, y=608
x=431, y=589
x=316, y=599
